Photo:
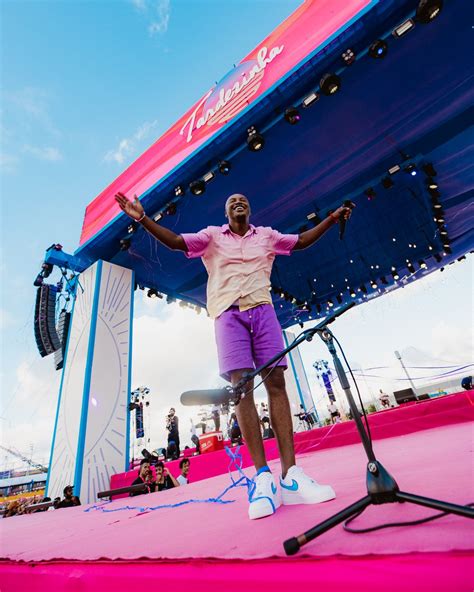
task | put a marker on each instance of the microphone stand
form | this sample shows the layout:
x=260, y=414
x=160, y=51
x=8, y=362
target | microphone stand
x=381, y=486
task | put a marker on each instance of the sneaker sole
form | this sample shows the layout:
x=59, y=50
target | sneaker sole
x=295, y=499
x=262, y=510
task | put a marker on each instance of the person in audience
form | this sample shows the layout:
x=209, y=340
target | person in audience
x=384, y=399
x=164, y=479
x=145, y=476
x=172, y=425
x=216, y=417
x=184, y=465
x=195, y=438
x=69, y=500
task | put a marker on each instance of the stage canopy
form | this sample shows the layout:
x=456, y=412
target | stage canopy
x=396, y=138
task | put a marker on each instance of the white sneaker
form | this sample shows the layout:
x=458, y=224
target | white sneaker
x=263, y=497
x=298, y=488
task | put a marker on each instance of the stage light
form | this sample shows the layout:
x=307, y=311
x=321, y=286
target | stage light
x=443, y=231
x=373, y=284
x=171, y=209
x=439, y=219
x=428, y=10
x=383, y=279
x=330, y=303
x=292, y=116
x=438, y=257
x=339, y=298
x=179, y=191
x=395, y=274
x=394, y=169
x=429, y=170
x=411, y=170
x=125, y=244
x=431, y=184
x=370, y=193
x=152, y=293
x=38, y=280
x=378, y=49
x=197, y=187
x=403, y=28
x=352, y=293
x=224, y=167
x=330, y=84
x=363, y=289
x=348, y=56
x=313, y=218
x=434, y=193
x=131, y=229
x=208, y=177
x=447, y=249
x=422, y=264
x=310, y=99
x=411, y=267
x=387, y=183
x=255, y=141
x=158, y=217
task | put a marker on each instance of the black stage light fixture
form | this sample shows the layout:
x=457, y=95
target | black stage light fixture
x=125, y=244
x=132, y=228
x=363, y=289
x=292, y=115
x=383, y=279
x=348, y=56
x=224, y=167
x=378, y=49
x=330, y=303
x=373, y=284
x=38, y=280
x=330, y=84
x=310, y=99
x=403, y=28
x=370, y=193
x=447, y=249
x=422, y=264
x=411, y=170
x=387, y=183
x=352, y=292
x=179, y=191
x=428, y=10
x=411, y=267
x=171, y=209
x=438, y=257
x=395, y=274
x=207, y=178
x=443, y=232
x=197, y=187
x=318, y=308
x=152, y=293
x=339, y=298
x=429, y=169
x=393, y=170
x=255, y=141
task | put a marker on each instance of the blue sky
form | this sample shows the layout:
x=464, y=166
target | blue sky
x=86, y=87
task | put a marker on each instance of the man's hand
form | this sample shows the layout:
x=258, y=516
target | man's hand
x=133, y=209
x=344, y=212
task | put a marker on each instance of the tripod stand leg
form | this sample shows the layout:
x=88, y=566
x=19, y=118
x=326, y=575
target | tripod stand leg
x=465, y=511
x=294, y=544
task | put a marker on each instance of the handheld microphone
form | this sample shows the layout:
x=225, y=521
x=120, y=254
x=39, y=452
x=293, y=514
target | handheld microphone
x=342, y=220
x=208, y=397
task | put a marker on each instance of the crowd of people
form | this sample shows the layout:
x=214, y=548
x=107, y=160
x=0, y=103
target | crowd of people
x=37, y=503
x=163, y=479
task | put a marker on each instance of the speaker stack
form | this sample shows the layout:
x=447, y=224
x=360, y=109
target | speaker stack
x=62, y=330
x=46, y=335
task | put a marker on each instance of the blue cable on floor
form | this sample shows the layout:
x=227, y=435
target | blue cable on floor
x=235, y=463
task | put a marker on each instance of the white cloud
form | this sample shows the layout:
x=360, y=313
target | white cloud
x=128, y=146
x=8, y=162
x=157, y=13
x=47, y=153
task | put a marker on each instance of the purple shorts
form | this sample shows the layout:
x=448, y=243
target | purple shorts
x=247, y=339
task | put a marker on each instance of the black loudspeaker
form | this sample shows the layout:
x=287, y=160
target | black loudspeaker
x=423, y=397
x=46, y=336
x=404, y=396
x=62, y=331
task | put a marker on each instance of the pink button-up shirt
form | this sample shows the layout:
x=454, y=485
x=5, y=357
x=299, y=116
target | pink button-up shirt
x=239, y=267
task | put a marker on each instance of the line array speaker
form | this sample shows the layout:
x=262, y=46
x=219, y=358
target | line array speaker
x=46, y=336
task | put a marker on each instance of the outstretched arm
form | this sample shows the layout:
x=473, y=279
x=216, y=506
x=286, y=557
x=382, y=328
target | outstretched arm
x=309, y=237
x=135, y=211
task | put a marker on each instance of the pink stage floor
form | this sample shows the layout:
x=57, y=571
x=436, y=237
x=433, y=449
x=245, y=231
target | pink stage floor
x=210, y=546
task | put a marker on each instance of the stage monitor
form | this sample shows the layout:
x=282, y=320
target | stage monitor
x=404, y=396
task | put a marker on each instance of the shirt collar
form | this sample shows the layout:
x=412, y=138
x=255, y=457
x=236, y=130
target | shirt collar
x=226, y=228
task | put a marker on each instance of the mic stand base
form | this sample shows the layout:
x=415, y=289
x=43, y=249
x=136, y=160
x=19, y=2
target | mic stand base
x=381, y=486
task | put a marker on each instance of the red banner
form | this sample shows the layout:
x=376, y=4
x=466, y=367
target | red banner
x=298, y=36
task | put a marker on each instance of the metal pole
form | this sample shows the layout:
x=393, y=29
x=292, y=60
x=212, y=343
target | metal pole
x=399, y=357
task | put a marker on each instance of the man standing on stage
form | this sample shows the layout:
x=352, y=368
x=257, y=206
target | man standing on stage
x=238, y=258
